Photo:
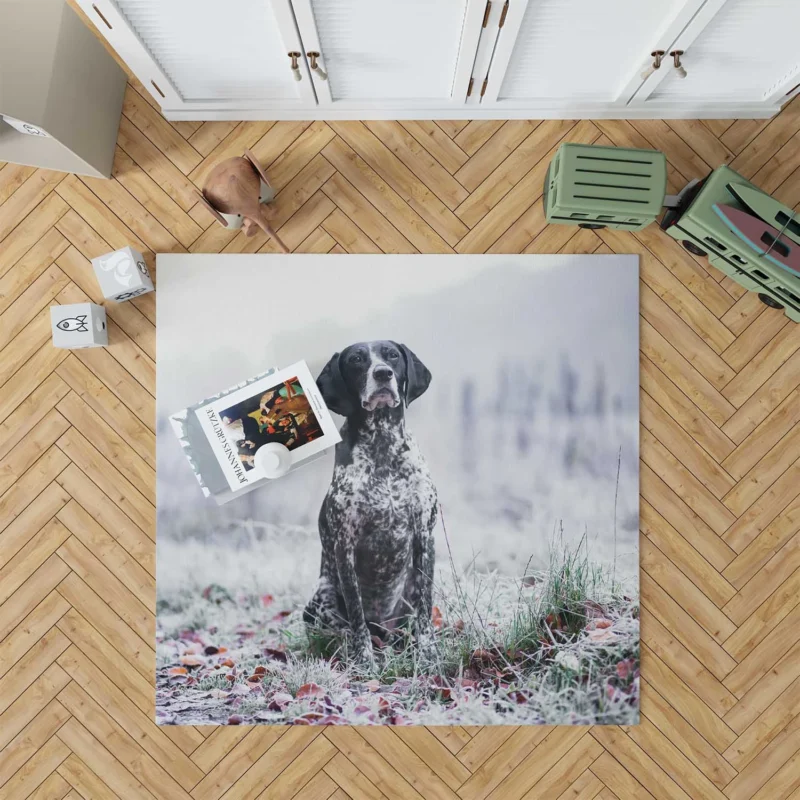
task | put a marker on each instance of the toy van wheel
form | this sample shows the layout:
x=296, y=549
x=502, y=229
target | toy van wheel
x=693, y=248
x=769, y=301
x=592, y=226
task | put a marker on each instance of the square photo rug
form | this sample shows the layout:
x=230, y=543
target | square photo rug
x=462, y=547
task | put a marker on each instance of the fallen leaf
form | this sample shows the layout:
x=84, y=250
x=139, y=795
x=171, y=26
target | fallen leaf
x=593, y=610
x=274, y=654
x=484, y=656
x=436, y=618
x=310, y=690
x=192, y=661
x=601, y=635
x=234, y=719
x=279, y=701
x=177, y=671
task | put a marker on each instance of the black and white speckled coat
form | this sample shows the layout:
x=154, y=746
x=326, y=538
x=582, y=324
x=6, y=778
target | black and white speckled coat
x=376, y=522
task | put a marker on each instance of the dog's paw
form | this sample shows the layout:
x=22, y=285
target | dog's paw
x=363, y=653
x=426, y=648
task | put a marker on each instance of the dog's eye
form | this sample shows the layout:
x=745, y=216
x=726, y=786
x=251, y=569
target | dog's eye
x=394, y=356
x=355, y=359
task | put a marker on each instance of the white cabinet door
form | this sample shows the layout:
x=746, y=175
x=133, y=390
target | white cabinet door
x=578, y=53
x=390, y=53
x=208, y=54
x=742, y=51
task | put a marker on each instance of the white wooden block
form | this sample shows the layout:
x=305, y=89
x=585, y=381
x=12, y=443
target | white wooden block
x=79, y=325
x=122, y=275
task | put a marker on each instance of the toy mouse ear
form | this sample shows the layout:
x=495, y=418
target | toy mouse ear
x=213, y=211
x=257, y=167
x=334, y=390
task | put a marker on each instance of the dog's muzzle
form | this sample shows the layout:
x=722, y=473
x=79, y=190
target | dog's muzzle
x=381, y=398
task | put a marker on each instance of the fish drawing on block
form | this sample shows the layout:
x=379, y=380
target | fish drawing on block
x=74, y=324
x=761, y=237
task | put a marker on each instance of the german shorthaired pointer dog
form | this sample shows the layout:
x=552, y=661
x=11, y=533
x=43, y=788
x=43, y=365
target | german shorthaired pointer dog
x=376, y=522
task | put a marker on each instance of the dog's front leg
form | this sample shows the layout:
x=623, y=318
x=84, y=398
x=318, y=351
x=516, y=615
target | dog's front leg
x=351, y=591
x=423, y=563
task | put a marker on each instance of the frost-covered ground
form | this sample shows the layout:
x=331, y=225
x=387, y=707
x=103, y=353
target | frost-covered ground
x=559, y=646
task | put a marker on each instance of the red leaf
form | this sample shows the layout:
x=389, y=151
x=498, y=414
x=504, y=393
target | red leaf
x=310, y=690
x=234, y=719
x=275, y=655
x=266, y=599
x=279, y=701
x=177, y=671
x=436, y=618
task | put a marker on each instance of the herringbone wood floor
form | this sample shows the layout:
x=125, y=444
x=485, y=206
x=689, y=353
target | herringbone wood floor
x=720, y=471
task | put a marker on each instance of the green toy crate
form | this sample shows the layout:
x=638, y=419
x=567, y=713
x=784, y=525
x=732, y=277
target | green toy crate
x=695, y=224
x=605, y=187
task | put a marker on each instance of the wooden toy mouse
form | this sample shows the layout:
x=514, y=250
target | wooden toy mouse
x=235, y=193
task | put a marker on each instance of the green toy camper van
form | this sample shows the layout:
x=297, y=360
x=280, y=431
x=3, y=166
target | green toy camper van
x=593, y=186
x=605, y=187
x=700, y=229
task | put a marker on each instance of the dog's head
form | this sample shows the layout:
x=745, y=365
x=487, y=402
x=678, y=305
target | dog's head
x=372, y=375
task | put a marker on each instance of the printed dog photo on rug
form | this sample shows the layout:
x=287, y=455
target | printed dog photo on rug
x=467, y=554
x=280, y=414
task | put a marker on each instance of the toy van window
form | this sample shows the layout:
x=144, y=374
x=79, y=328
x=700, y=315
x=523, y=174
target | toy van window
x=576, y=214
x=791, y=225
x=759, y=274
x=737, y=259
x=714, y=243
x=789, y=295
x=777, y=246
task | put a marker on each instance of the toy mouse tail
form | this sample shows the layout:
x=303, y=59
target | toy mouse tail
x=270, y=231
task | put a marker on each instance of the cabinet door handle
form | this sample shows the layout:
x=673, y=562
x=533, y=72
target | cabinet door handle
x=321, y=74
x=294, y=55
x=657, y=56
x=676, y=57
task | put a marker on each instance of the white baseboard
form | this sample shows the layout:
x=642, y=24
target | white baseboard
x=700, y=111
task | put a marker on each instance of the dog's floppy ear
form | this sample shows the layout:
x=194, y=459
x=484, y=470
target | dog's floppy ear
x=334, y=390
x=418, y=376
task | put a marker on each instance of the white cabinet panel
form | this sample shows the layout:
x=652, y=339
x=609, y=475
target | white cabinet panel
x=207, y=53
x=236, y=48
x=385, y=51
x=582, y=50
x=747, y=52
